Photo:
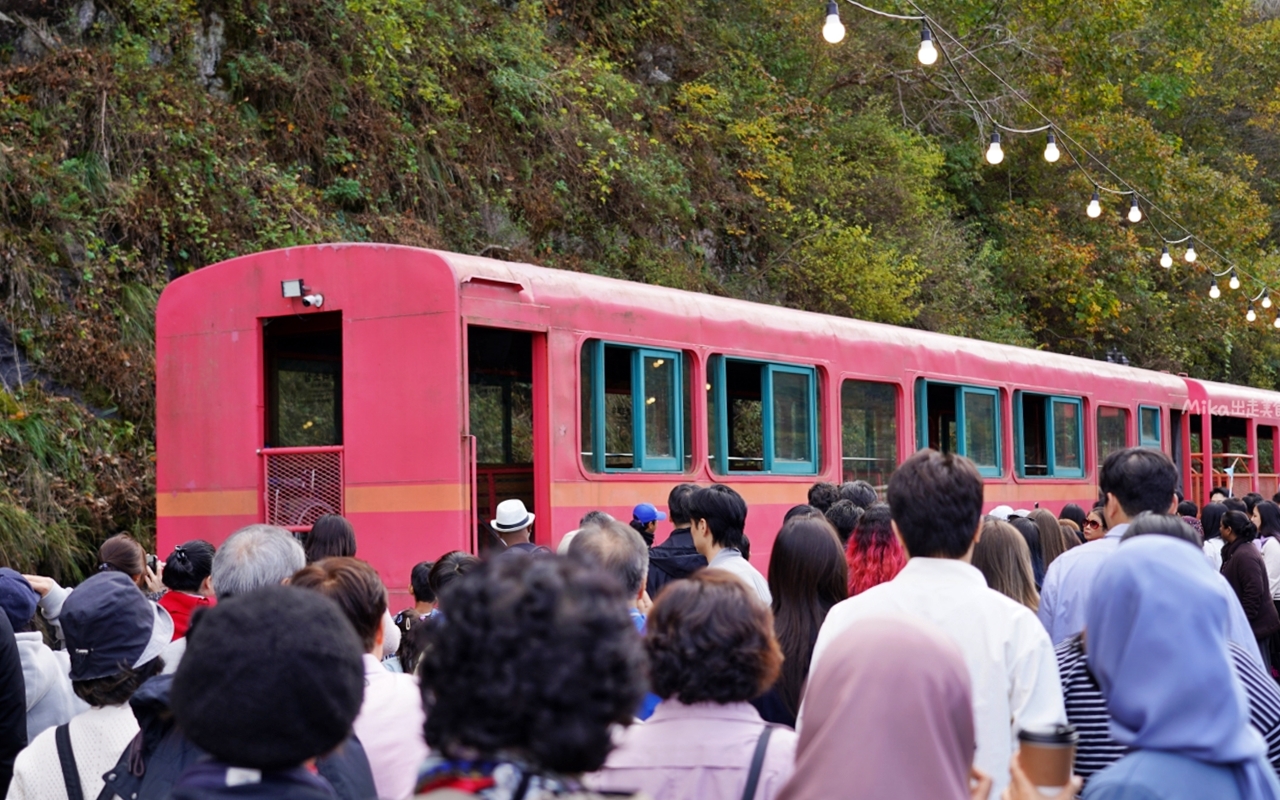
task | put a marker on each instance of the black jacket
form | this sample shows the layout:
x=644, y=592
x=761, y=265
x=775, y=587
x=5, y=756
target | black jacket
x=672, y=560
x=151, y=767
x=1244, y=569
x=13, y=704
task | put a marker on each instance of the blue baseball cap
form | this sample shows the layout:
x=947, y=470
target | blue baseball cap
x=646, y=513
x=17, y=599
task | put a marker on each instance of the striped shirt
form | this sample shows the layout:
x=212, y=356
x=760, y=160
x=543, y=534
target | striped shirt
x=1087, y=710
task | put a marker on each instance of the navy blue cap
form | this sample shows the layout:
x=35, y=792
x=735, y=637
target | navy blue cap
x=109, y=623
x=17, y=599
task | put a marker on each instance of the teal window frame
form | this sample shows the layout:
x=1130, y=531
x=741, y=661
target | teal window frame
x=642, y=462
x=1143, y=441
x=922, y=421
x=719, y=396
x=1051, y=450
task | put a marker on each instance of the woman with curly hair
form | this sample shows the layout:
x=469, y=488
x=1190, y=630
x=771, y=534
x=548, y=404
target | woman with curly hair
x=532, y=663
x=874, y=554
x=711, y=649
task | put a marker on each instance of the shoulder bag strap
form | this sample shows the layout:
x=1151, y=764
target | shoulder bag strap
x=757, y=763
x=70, y=772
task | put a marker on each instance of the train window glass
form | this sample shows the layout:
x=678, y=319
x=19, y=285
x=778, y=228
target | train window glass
x=688, y=418
x=869, y=431
x=1068, y=443
x=981, y=428
x=1267, y=460
x=304, y=380
x=763, y=417
x=633, y=408
x=1113, y=430
x=1049, y=436
x=960, y=419
x=1148, y=426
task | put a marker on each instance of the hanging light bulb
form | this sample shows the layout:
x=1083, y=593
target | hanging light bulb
x=1277, y=322
x=833, y=30
x=1095, y=206
x=1135, y=213
x=1191, y=253
x=1251, y=315
x=1266, y=298
x=928, y=54
x=1234, y=282
x=995, y=153
x=1214, y=291
x=1051, y=153
x=1166, y=260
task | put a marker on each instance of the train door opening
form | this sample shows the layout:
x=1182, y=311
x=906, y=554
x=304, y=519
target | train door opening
x=302, y=450
x=1267, y=478
x=1175, y=442
x=500, y=376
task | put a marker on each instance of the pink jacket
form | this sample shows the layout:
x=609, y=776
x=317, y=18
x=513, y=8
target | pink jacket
x=697, y=751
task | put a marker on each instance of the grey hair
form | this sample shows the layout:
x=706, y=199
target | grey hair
x=253, y=557
x=594, y=518
x=616, y=548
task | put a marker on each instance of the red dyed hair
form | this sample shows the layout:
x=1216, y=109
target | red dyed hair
x=874, y=554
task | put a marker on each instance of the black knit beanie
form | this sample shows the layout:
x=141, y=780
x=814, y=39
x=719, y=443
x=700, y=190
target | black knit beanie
x=270, y=679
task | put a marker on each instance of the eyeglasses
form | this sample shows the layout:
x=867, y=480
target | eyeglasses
x=1092, y=523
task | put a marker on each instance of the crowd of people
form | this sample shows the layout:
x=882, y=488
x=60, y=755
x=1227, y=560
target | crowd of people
x=901, y=645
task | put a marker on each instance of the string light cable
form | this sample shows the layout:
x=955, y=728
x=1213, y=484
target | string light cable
x=929, y=50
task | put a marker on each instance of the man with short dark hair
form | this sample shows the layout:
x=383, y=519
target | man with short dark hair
x=1132, y=481
x=719, y=516
x=424, y=600
x=823, y=495
x=860, y=493
x=843, y=516
x=935, y=504
x=675, y=558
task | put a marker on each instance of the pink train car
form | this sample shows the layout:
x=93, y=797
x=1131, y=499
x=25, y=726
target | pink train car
x=412, y=390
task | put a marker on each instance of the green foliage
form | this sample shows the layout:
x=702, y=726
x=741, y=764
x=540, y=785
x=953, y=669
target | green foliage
x=718, y=147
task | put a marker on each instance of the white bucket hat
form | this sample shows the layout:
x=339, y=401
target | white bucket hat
x=511, y=516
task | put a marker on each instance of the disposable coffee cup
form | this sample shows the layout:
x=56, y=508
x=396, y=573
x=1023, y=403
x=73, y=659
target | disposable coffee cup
x=1048, y=756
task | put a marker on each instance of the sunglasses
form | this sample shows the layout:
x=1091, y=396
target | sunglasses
x=1092, y=523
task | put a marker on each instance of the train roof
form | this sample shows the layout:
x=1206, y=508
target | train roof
x=555, y=287
x=565, y=293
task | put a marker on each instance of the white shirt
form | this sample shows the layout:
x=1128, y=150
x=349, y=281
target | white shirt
x=731, y=560
x=390, y=729
x=1213, y=550
x=98, y=737
x=1069, y=581
x=1271, y=555
x=1012, y=667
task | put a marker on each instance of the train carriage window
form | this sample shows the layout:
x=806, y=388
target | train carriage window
x=763, y=417
x=633, y=408
x=304, y=380
x=1049, y=436
x=869, y=431
x=1113, y=430
x=1149, y=426
x=960, y=419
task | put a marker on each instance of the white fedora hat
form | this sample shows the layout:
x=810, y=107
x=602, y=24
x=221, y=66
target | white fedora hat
x=511, y=516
